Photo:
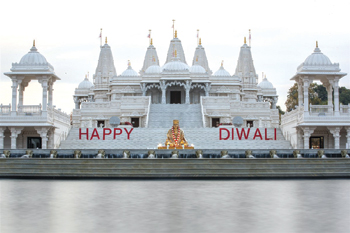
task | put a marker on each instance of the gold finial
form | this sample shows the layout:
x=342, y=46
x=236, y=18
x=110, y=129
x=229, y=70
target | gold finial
x=129, y=64
x=197, y=58
x=316, y=44
x=33, y=43
x=106, y=40
x=200, y=41
x=175, y=53
x=245, y=40
x=175, y=33
x=151, y=41
x=222, y=63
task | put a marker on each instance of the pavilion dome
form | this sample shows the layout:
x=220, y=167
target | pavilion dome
x=175, y=66
x=129, y=72
x=265, y=84
x=33, y=57
x=317, y=59
x=222, y=72
x=197, y=69
x=154, y=69
x=85, y=84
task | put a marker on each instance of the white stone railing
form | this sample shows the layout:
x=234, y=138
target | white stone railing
x=295, y=114
x=61, y=116
x=5, y=109
x=316, y=109
x=29, y=109
x=344, y=109
x=95, y=105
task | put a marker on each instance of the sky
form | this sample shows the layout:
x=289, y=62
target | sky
x=284, y=34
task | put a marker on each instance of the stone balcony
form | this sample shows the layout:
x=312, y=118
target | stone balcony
x=31, y=114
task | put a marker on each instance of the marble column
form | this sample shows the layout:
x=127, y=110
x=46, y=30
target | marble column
x=163, y=88
x=50, y=88
x=143, y=89
x=306, y=96
x=14, y=97
x=187, y=89
x=307, y=134
x=348, y=136
x=207, y=89
x=299, y=138
x=77, y=102
x=335, y=130
x=44, y=85
x=14, y=134
x=20, y=95
x=300, y=93
x=336, y=97
x=274, y=102
x=2, y=136
x=42, y=131
x=329, y=94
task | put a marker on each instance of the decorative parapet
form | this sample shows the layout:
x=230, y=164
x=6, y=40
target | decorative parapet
x=5, y=109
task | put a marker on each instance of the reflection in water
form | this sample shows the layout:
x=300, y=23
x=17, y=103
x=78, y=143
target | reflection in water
x=174, y=206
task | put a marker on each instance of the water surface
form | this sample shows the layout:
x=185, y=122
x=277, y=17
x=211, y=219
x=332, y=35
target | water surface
x=281, y=206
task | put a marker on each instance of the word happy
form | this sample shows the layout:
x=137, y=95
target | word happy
x=226, y=134
x=106, y=132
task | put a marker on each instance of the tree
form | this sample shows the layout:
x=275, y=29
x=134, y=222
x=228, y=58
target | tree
x=344, y=95
x=317, y=96
x=280, y=112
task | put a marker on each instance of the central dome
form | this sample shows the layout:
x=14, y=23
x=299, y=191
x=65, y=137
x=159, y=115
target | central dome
x=155, y=69
x=175, y=66
x=222, y=72
x=197, y=69
x=129, y=72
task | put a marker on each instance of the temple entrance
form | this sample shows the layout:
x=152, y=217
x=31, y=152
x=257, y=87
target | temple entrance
x=34, y=142
x=215, y=122
x=316, y=142
x=175, y=97
x=135, y=122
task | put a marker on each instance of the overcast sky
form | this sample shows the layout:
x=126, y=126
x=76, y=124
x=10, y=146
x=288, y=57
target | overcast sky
x=66, y=33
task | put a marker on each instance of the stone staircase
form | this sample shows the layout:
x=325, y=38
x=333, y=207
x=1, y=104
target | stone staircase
x=162, y=115
x=149, y=138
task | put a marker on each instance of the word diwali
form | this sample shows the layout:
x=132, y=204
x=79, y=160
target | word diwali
x=106, y=132
x=225, y=134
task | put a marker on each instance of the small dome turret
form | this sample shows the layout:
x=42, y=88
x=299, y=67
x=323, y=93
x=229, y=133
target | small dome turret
x=155, y=69
x=175, y=65
x=85, y=84
x=129, y=71
x=197, y=69
x=222, y=72
x=317, y=58
x=265, y=84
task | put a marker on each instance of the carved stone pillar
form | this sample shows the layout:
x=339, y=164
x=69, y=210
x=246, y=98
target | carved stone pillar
x=44, y=85
x=336, y=97
x=207, y=88
x=14, y=133
x=2, y=130
x=50, y=88
x=77, y=102
x=348, y=137
x=299, y=138
x=14, y=97
x=307, y=133
x=187, y=89
x=300, y=93
x=274, y=102
x=143, y=89
x=335, y=130
x=163, y=88
x=306, y=96
x=42, y=131
x=329, y=94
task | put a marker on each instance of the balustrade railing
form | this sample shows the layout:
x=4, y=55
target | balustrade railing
x=29, y=109
x=5, y=109
x=344, y=109
x=317, y=109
